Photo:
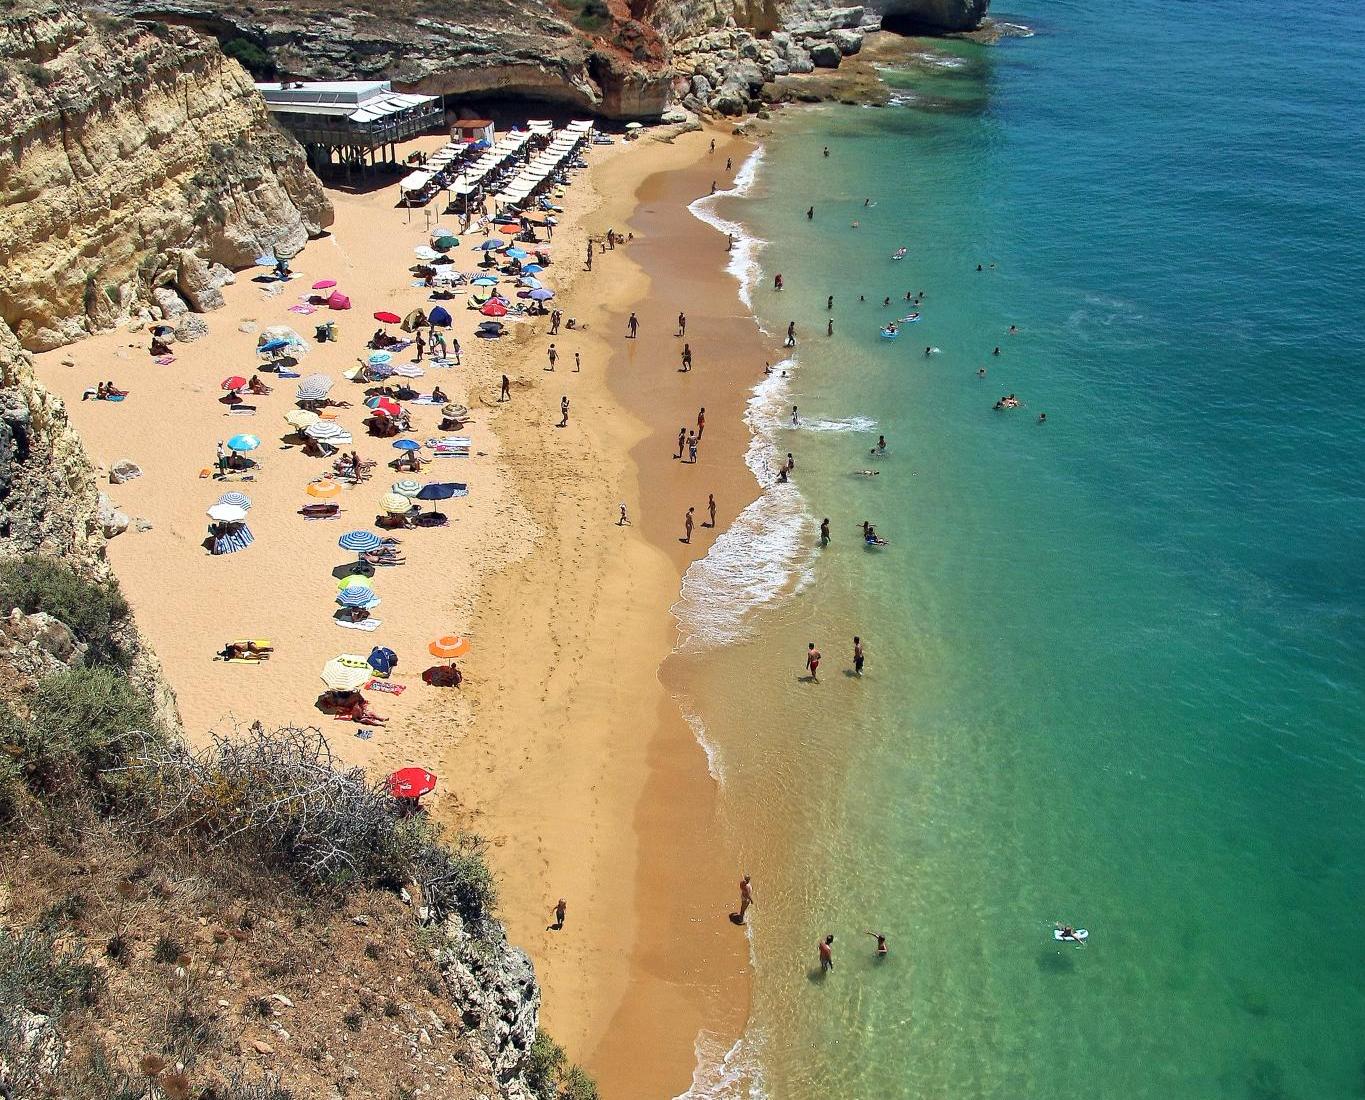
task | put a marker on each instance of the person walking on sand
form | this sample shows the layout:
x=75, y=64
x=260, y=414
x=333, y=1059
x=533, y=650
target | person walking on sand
x=421, y=345
x=746, y=897
x=682, y=441
x=813, y=663
x=824, y=532
x=729, y=242
x=713, y=145
x=858, y=655
x=727, y=164
x=692, y=442
x=624, y=521
x=882, y=949
x=711, y=508
x=826, y=949
x=561, y=911
x=577, y=362
x=682, y=324
x=506, y=392
x=687, y=358
x=564, y=412
x=589, y=253
x=555, y=318
x=701, y=421
x=455, y=349
x=633, y=325
x=687, y=526
x=552, y=355
x=222, y=458
x=791, y=335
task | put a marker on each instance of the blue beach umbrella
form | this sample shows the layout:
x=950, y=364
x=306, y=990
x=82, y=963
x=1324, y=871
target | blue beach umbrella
x=407, y=488
x=407, y=445
x=382, y=660
x=266, y=260
x=382, y=370
x=357, y=596
x=484, y=280
x=379, y=357
x=540, y=294
x=516, y=254
x=243, y=443
x=490, y=245
x=273, y=345
x=532, y=269
x=360, y=541
x=443, y=490
x=439, y=317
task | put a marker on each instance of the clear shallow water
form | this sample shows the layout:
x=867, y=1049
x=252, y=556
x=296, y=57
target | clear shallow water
x=1117, y=662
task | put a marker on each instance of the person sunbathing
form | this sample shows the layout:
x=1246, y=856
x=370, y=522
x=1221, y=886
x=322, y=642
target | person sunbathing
x=99, y=393
x=438, y=395
x=257, y=386
x=359, y=711
x=386, y=556
x=246, y=651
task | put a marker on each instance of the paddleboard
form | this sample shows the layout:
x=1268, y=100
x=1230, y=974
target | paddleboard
x=1081, y=934
x=889, y=335
x=910, y=320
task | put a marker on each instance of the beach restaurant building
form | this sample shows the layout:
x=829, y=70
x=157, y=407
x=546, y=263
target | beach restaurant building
x=357, y=122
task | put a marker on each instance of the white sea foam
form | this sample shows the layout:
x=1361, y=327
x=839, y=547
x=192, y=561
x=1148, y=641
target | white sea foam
x=722, y=1073
x=713, y=766
x=743, y=263
x=842, y=424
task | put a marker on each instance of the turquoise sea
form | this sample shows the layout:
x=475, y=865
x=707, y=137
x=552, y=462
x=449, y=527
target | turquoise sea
x=1116, y=662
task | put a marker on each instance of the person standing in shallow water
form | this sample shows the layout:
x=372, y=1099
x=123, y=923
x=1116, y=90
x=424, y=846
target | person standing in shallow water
x=826, y=949
x=687, y=526
x=746, y=897
x=858, y=655
x=824, y=532
x=813, y=663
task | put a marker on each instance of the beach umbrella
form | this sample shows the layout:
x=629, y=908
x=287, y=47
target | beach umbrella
x=301, y=418
x=273, y=345
x=425, y=253
x=530, y=282
x=381, y=370
x=243, y=442
x=490, y=245
x=408, y=370
x=414, y=320
x=442, y=490
x=407, y=445
x=236, y=500
x=325, y=431
x=439, y=317
x=337, y=300
x=232, y=537
x=441, y=231
x=395, y=503
x=346, y=672
x=540, y=294
x=233, y=383
x=227, y=513
x=454, y=411
x=445, y=244
x=314, y=387
x=355, y=580
x=324, y=284
x=266, y=260
x=386, y=405
x=532, y=269
x=493, y=309
x=360, y=541
x=449, y=646
x=323, y=489
x=516, y=254
x=382, y=659
x=410, y=783
x=379, y=358
x=356, y=596
x=387, y=318
x=407, y=487
x=484, y=280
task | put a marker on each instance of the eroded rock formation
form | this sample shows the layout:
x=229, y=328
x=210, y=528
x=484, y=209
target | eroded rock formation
x=127, y=146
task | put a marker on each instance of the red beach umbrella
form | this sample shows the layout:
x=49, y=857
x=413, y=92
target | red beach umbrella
x=236, y=382
x=387, y=317
x=388, y=406
x=410, y=783
x=493, y=309
x=324, y=284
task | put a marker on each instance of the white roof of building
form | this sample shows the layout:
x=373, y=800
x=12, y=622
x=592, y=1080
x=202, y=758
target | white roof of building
x=357, y=100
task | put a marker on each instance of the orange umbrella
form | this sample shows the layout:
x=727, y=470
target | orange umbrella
x=451, y=645
x=323, y=489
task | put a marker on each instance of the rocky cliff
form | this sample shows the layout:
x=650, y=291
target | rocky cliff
x=135, y=156
x=622, y=59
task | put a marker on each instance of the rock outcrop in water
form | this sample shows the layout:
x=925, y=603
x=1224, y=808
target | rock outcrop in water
x=136, y=156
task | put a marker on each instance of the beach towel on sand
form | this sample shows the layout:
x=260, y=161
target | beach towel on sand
x=364, y=624
x=387, y=686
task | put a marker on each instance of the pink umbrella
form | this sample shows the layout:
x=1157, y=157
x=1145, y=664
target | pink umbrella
x=324, y=284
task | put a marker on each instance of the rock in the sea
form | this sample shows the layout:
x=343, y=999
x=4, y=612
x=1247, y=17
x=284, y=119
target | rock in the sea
x=825, y=55
x=191, y=328
x=196, y=284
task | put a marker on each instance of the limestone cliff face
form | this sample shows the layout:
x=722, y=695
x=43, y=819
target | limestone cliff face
x=125, y=149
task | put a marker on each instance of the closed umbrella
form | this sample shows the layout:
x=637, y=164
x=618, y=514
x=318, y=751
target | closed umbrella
x=407, y=487
x=301, y=418
x=227, y=513
x=449, y=646
x=324, y=489
x=346, y=672
x=385, y=317
x=237, y=500
x=362, y=542
x=324, y=284
x=243, y=443
x=395, y=503
x=234, y=383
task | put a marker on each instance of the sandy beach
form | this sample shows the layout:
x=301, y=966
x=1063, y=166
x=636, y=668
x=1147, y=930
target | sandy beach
x=562, y=747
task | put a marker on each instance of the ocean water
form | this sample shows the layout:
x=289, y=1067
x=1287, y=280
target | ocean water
x=1116, y=662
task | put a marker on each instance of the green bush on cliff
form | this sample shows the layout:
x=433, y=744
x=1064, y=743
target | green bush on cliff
x=93, y=610
x=85, y=720
x=551, y=1077
x=254, y=59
